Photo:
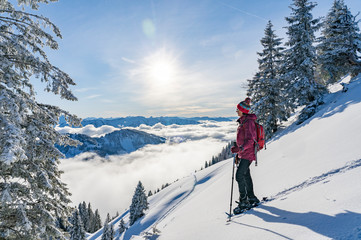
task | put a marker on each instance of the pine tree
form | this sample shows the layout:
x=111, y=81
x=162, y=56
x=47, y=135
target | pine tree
x=213, y=160
x=300, y=58
x=340, y=43
x=122, y=227
x=31, y=192
x=229, y=146
x=108, y=230
x=97, y=223
x=265, y=89
x=139, y=204
x=91, y=219
x=83, y=212
x=77, y=231
x=61, y=223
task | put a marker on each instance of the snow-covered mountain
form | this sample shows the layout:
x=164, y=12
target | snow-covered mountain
x=137, y=121
x=310, y=172
x=117, y=142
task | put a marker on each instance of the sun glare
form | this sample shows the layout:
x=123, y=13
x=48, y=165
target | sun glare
x=162, y=69
x=160, y=74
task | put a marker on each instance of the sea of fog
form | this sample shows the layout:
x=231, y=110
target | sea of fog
x=109, y=183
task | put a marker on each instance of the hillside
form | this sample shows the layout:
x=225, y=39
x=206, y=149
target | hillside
x=310, y=172
x=117, y=142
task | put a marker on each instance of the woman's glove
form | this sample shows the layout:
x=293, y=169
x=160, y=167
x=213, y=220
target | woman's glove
x=235, y=149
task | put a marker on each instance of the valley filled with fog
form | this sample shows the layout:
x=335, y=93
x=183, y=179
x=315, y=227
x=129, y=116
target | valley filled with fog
x=108, y=183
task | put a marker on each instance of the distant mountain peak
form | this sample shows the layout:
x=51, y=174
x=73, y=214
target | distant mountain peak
x=118, y=142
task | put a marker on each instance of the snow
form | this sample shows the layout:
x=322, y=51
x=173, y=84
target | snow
x=88, y=130
x=6, y=196
x=338, y=86
x=310, y=172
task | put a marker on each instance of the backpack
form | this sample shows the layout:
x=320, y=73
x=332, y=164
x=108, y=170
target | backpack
x=260, y=140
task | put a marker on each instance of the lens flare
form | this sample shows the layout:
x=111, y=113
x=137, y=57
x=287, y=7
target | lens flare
x=148, y=28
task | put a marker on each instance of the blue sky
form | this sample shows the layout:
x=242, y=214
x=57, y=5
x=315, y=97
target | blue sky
x=162, y=57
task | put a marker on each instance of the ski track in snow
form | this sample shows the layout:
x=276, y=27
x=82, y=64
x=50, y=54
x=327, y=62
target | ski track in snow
x=349, y=166
x=261, y=228
x=174, y=206
x=170, y=210
x=196, y=182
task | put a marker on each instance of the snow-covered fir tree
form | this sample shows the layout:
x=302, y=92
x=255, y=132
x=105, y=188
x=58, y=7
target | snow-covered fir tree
x=77, y=231
x=139, y=204
x=97, y=223
x=60, y=223
x=340, y=43
x=214, y=160
x=206, y=164
x=31, y=192
x=223, y=155
x=122, y=227
x=91, y=217
x=108, y=230
x=266, y=88
x=83, y=212
x=300, y=58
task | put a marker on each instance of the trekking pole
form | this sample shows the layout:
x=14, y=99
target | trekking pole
x=230, y=205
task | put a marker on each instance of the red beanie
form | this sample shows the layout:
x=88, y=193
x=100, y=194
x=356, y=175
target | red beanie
x=245, y=105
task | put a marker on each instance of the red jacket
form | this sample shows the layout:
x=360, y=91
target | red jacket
x=246, y=135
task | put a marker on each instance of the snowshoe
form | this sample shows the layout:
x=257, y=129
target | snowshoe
x=254, y=202
x=242, y=207
x=245, y=206
x=239, y=210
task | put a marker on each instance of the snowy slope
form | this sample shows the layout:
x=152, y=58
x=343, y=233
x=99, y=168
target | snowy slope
x=310, y=172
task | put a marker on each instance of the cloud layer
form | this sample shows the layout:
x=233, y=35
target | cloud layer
x=109, y=183
x=89, y=130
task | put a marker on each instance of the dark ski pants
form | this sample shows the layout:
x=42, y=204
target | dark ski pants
x=244, y=179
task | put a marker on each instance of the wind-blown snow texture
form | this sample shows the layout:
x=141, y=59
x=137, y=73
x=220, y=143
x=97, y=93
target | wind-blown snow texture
x=310, y=172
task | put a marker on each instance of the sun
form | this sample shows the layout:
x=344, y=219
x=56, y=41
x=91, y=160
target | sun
x=162, y=69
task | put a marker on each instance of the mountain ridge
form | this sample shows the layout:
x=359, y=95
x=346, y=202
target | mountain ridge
x=117, y=142
x=138, y=120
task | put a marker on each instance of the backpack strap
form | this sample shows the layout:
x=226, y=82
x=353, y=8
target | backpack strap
x=242, y=124
x=256, y=146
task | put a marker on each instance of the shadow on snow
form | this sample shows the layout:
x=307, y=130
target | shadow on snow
x=329, y=226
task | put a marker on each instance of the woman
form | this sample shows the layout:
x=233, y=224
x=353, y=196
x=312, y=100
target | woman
x=245, y=149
